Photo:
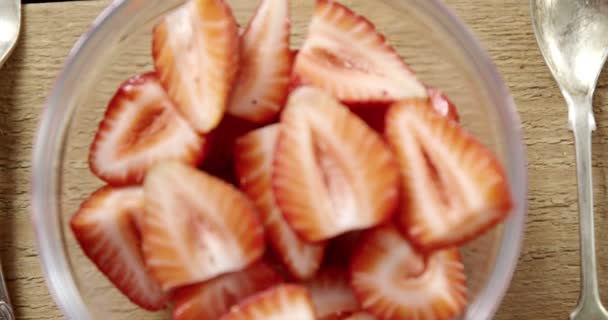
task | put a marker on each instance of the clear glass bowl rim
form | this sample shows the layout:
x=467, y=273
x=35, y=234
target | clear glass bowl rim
x=49, y=144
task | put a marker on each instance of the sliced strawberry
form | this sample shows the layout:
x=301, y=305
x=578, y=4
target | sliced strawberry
x=455, y=188
x=345, y=55
x=331, y=293
x=105, y=227
x=282, y=302
x=195, y=51
x=393, y=281
x=375, y=115
x=360, y=316
x=300, y=258
x=253, y=158
x=212, y=299
x=442, y=104
x=357, y=315
x=262, y=85
x=141, y=128
x=219, y=160
x=196, y=226
x=332, y=173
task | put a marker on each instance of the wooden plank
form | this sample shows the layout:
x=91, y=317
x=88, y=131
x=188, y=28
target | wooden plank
x=49, y=31
x=546, y=283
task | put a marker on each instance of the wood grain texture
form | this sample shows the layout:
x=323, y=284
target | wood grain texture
x=49, y=31
x=546, y=282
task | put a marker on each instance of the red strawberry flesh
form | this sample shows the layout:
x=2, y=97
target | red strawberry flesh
x=393, y=281
x=254, y=157
x=332, y=173
x=196, y=53
x=332, y=294
x=196, y=226
x=140, y=129
x=212, y=299
x=262, y=85
x=286, y=301
x=442, y=104
x=454, y=188
x=105, y=226
x=344, y=54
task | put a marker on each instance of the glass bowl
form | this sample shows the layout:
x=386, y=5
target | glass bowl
x=436, y=44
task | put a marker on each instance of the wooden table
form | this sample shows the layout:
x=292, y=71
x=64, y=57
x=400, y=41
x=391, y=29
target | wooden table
x=546, y=283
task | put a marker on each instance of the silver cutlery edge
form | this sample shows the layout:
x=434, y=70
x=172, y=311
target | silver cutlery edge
x=572, y=38
x=10, y=26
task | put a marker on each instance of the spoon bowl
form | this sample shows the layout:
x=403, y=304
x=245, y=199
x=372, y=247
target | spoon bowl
x=10, y=24
x=572, y=38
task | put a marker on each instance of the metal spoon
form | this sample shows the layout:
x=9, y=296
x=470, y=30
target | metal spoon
x=573, y=38
x=10, y=24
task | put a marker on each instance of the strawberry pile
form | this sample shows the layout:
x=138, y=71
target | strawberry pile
x=249, y=181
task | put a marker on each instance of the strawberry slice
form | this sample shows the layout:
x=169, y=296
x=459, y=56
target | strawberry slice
x=442, y=104
x=141, y=128
x=455, y=188
x=212, y=299
x=345, y=55
x=196, y=53
x=282, y=302
x=375, y=115
x=332, y=173
x=219, y=160
x=196, y=226
x=106, y=229
x=262, y=85
x=393, y=281
x=331, y=293
x=253, y=158
x=360, y=316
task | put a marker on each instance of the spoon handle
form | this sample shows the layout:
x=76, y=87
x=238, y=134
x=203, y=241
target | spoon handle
x=6, y=309
x=582, y=124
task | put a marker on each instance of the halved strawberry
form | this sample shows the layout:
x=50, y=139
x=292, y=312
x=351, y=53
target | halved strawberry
x=442, y=104
x=375, y=114
x=345, y=55
x=393, y=281
x=219, y=160
x=212, y=299
x=262, y=85
x=332, y=173
x=196, y=226
x=357, y=315
x=196, y=53
x=106, y=229
x=360, y=316
x=455, y=188
x=254, y=153
x=141, y=128
x=331, y=293
x=287, y=301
